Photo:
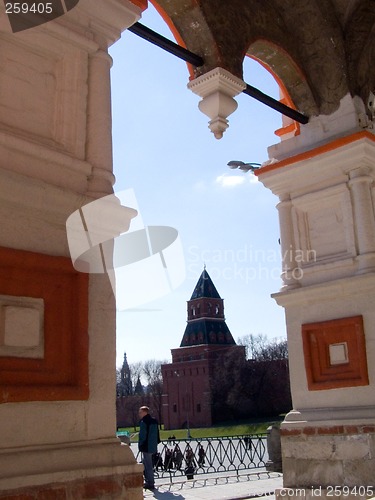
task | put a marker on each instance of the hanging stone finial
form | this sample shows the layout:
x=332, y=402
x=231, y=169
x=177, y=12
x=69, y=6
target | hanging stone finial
x=217, y=89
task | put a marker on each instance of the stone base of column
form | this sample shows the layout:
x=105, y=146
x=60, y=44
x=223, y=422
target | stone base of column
x=103, y=468
x=323, y=458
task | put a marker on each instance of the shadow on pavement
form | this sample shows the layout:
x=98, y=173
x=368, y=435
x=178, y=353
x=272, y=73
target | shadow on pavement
x=163, y=495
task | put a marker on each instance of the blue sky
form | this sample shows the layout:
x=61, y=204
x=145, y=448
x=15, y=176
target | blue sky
x=226, y=220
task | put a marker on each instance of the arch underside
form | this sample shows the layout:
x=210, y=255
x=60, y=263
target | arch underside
x=321, y=50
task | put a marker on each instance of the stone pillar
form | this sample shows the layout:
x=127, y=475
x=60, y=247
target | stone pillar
x=99, y=125
x=324, y=179
x=57, y=325
x=290, y=273
x=360, y=184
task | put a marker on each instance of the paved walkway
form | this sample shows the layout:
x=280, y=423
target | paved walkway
x=258, y=485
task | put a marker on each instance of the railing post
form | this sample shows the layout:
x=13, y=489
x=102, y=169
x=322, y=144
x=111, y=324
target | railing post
x=274, y=463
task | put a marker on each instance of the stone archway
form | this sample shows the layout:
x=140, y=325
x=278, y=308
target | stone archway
x=56, y=156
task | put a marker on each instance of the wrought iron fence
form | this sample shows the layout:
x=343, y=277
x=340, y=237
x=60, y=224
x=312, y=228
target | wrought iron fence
x=180, y=457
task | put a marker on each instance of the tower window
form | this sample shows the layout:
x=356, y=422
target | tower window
x=198, y=407
x=175, y=408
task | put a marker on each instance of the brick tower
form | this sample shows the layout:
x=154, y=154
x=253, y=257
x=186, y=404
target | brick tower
x=186, y=381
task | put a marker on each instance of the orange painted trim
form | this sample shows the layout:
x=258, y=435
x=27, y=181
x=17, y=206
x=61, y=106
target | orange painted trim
x=62, y=373
x=142, y=4
x=286, y=130
x=317, y=337
x=285, y=99
x=330, y=146
x=174, y=31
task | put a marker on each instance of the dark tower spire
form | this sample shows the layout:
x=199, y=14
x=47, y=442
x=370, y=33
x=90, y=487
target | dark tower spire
x=205, y=316
x=126, y=386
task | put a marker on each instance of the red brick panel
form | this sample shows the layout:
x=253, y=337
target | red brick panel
x=62, y=374
x=317, y=337
x=109, y=487
x=333, y=430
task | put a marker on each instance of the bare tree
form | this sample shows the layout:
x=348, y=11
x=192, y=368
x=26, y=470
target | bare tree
x=118, y=375
x=118, y=382
x=258, y=386
x=136, y=370
x=228, y=387
x=148, y=372
x=153, y=374
x=152, y=370
x=261, y=348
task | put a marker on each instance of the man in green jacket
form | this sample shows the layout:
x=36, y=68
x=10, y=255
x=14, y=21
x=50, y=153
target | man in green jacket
x=148, y=444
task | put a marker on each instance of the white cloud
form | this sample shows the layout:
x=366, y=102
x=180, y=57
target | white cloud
x=227, y=180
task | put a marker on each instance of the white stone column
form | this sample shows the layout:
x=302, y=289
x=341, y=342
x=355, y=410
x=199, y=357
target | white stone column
x=99, y=125
x=360, y=186
x=325, y=181
x=290, y=270
x=57, y=408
